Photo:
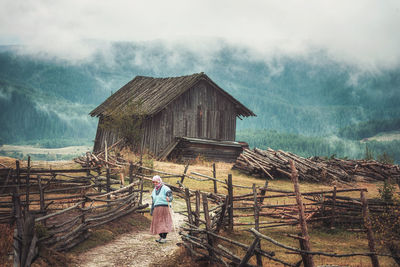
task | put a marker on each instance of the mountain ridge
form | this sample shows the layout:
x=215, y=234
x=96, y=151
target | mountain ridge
x=311, y=95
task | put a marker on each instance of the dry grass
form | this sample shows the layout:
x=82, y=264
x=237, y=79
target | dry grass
x=6, y=242
x=322, y=239
x=61, y=164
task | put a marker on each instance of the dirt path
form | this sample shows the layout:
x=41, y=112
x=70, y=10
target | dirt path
x=135, y=248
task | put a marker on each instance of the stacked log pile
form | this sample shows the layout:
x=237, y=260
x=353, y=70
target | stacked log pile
x=102, y=159
x=275, y=164
x=369, y=169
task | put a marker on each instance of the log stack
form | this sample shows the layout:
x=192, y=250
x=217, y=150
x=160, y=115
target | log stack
x=102, y=159
x=275, y=164
x=368, y=169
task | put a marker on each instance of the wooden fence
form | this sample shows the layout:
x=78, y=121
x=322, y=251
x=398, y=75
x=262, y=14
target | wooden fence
x=209, y=212
x=56, y=208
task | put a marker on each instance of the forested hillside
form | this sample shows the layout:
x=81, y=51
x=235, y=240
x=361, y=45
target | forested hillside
x=309, y=146
x=369, y=128
x=311, y=96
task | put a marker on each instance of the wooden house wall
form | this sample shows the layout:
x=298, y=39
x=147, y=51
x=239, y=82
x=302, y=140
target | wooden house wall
x=201, y=112
x=101, y=136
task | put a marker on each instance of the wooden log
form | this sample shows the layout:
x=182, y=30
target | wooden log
x=256, y=233
x=184, y=173
x=57, y=213
x=215, y=177
x=141, y=192
x=230, y=206
x=250, y=252
x=256, y=222
x=334, y=207
x=307, y=258
x=26, y=237
x=228, y=254
x=368, y=226
x=42, y=203
x=221, y=218
x=32, y=252
x=130, y=176
x=108, y=185
x=120, y=214
x=27, y=185
x=225, y=239
x=17, y=248
x=188, y=206
x=76, y=240
x=197, y=216
x=263, y=169
x=16, y=198
x=110, y=147
x=208, y=224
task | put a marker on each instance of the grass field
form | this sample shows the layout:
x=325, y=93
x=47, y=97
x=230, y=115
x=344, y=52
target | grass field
x=324, y=239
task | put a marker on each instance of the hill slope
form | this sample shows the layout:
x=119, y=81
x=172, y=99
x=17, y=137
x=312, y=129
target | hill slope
x=311, y=95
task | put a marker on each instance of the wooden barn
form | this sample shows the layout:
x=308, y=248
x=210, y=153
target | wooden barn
x=184, y=117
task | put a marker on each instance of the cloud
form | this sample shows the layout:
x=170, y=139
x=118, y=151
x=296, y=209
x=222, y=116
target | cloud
x=362, y=32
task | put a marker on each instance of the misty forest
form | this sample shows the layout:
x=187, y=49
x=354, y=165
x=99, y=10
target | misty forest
x=311, y=105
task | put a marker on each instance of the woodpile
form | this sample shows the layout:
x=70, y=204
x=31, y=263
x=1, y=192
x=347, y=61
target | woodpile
x=102, y=159
x=368, y=169
x=275, y=164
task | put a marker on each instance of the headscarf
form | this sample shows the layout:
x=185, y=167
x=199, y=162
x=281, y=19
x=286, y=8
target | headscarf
x=157, y=178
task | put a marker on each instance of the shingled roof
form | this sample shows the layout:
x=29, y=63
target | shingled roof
x=156, y=93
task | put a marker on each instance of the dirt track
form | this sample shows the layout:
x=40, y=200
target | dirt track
x=134, y=249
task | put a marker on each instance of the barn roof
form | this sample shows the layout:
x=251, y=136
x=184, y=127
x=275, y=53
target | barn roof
x=156, y=93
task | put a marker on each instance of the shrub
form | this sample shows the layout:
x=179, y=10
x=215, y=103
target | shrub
x=387, y=223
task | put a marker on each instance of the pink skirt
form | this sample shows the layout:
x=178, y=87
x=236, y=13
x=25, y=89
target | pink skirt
x=162, y=221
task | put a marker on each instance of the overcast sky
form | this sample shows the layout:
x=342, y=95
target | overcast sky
x=357, y=31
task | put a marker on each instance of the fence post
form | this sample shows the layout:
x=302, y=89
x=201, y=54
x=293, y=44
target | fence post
x=17, y=217
x=106, y=152
x=41, y=195
x=197, y=221
x=208, y=225
x=184, y=173
x=257, y=223
x=130, y=176
x=249, y=252
x=87, y=164
x=27, y=188
x=256, y=209
x=215, y=177
x=108, y=182
x=230, y=209
x=333, y=207
x=17, y=199
x=367, y=224
x=188, y=206
x=141, y=192
x=263, y=191
x=305, y=240
x=220, y=222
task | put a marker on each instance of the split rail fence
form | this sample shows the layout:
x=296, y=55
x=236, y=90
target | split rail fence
x=56, y=208
x=208, y=213
x=28, y=197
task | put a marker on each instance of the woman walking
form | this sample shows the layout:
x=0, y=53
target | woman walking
x=161, y=197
